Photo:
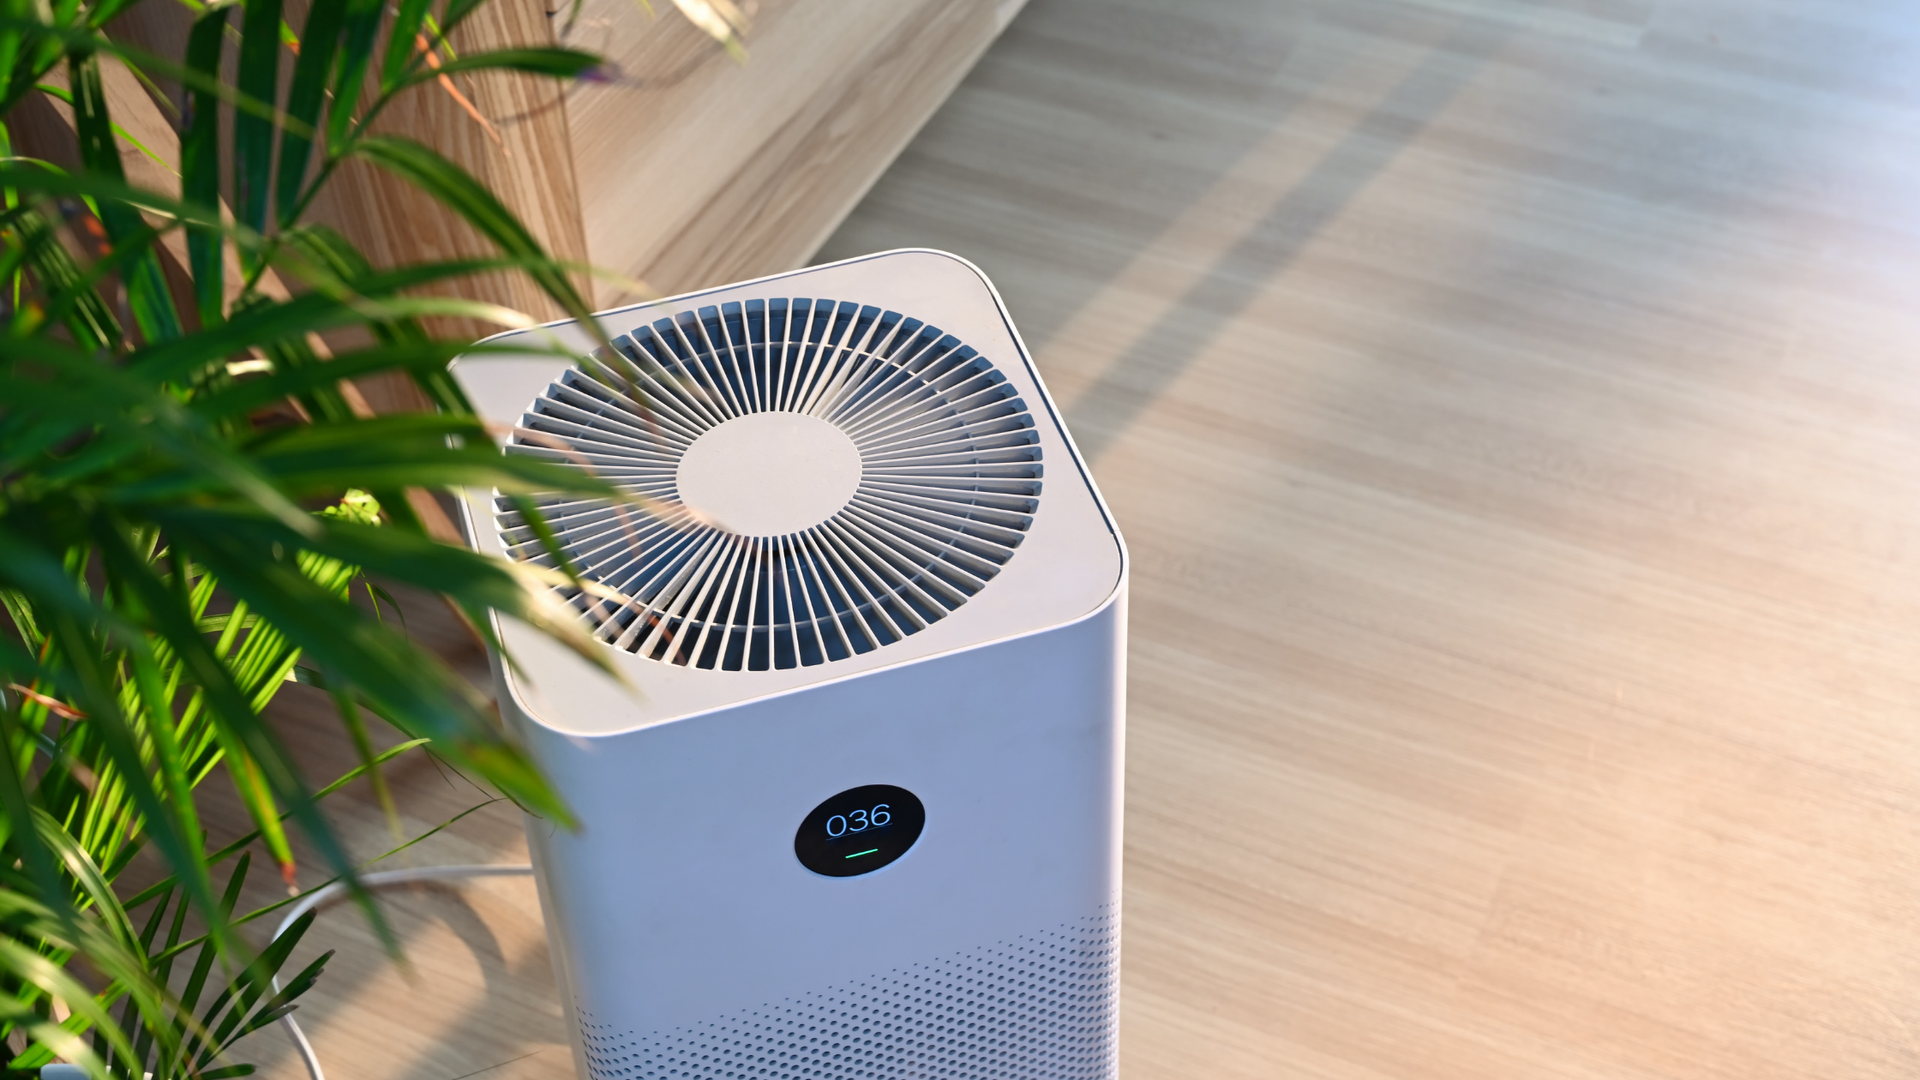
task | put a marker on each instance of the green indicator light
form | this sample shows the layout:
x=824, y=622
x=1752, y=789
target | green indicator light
x=857, y=854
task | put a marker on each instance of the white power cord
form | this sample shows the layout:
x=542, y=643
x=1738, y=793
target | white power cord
x=332, y=892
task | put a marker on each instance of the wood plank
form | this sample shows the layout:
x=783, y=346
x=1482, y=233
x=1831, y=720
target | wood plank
x=695, y=170
x=1510, y=409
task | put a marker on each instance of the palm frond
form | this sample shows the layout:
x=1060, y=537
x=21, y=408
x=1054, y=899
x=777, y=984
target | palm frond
x=183, y=509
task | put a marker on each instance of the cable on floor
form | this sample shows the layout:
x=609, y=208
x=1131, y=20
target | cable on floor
x=336, y=890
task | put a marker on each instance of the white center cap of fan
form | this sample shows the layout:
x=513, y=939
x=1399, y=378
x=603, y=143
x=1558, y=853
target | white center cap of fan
x=769, y=473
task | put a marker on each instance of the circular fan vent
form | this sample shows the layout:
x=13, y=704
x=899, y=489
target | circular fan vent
x=822, y=479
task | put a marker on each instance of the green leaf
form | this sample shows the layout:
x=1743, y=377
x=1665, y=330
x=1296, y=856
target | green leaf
x=422, y=358
x=49, y=1038
x=233, y=847
x=105, y=12
x=356, y=726
x=119, y=132
x=26, y=966
x=139, y=462
x=363, y=24
x=60, y=38
x=203, y=962
x=456, y=13
x=248, y=987
x=200, y=167
x=281, y=1003
x=233, y=714
x=321, y=36
x=323, y=401
x=32, y=46
x=458, y=191
x=405, y=685
x=92, y=886
x=88, y=317
x=172, y=426
x=558, y=63
x=81, y=291
x=401, y=44
x=27, y=176
x=147, y=294
x=104, y=718
x=258, y=78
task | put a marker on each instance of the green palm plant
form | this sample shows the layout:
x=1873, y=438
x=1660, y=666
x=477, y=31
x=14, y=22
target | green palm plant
x=187, y=493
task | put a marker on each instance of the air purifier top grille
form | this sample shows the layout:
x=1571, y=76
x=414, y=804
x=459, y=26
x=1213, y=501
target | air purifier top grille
x=821, y=479
x=838, y=488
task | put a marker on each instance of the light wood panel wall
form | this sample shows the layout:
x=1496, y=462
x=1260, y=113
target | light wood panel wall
x=696, y=170
x=522, y=154
x=679, y=165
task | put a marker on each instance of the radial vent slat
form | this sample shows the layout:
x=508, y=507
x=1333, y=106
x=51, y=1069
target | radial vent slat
x=950, y=472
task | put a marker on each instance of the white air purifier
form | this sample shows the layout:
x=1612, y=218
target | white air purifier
x=862, y=818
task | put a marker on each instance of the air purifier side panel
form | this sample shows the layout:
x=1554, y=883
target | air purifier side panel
x=538, y=832
x=557, y=948
x=681, y=900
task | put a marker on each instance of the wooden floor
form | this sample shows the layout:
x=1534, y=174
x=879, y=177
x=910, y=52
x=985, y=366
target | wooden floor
x=1514, y=413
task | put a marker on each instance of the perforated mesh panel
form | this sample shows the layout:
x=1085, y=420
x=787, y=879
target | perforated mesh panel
x=1035, y=1007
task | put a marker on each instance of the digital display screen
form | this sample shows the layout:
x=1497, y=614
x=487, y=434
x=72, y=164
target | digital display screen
x=859, y=830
